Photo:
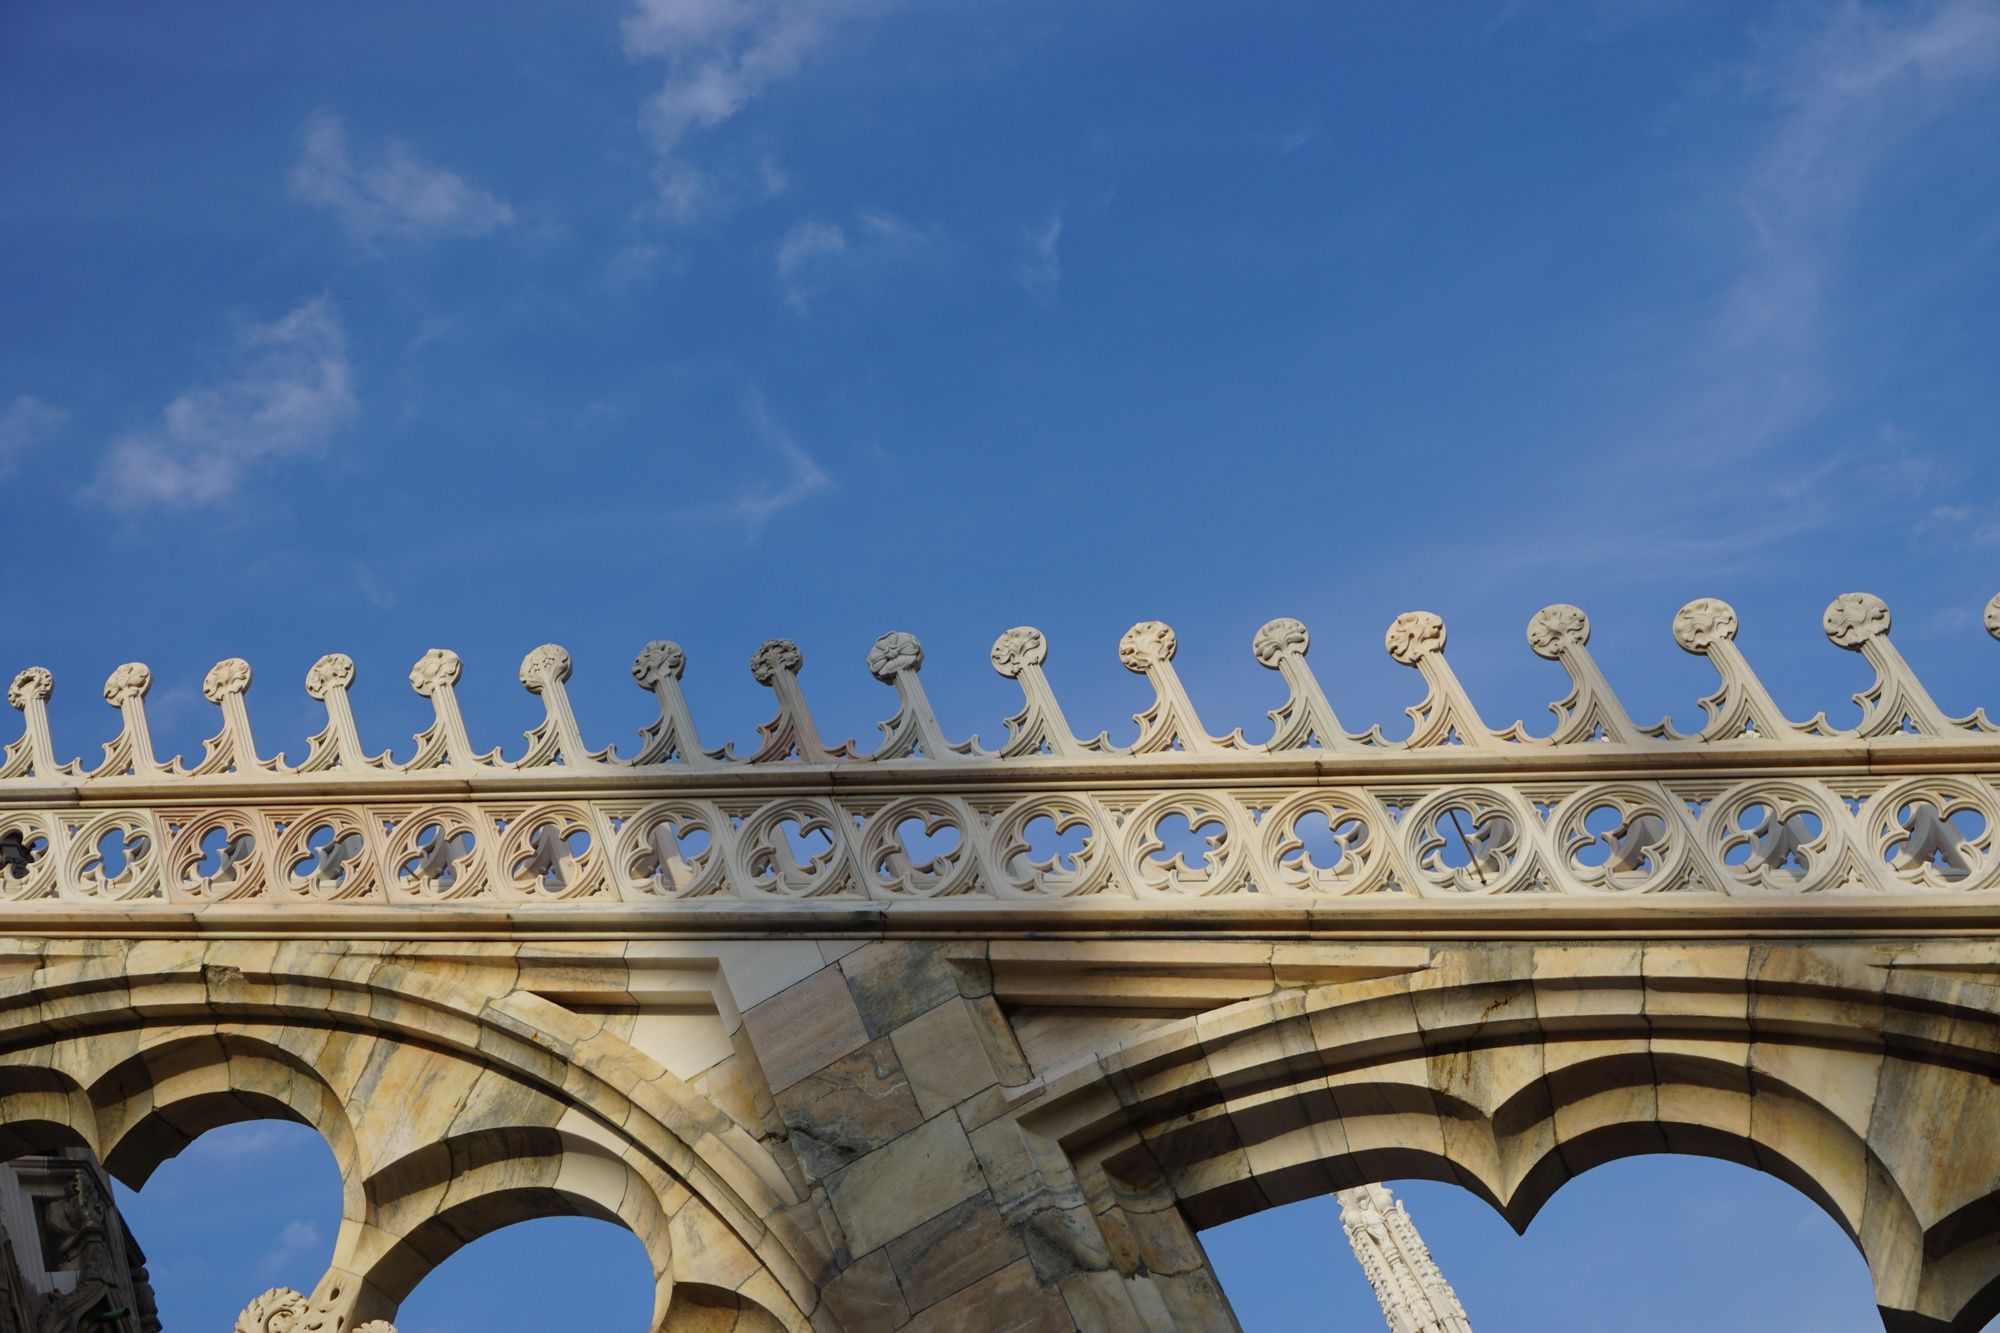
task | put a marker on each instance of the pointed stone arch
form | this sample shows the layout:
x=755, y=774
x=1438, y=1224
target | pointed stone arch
x=1511, y=1069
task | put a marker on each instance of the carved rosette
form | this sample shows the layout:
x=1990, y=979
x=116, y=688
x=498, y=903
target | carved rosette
x=229, y=676
x=1703, y=623
x=1554, y=628
x=1278, y=639
x=893, y=654
x=662, y=659
x=127, y=683
x=439, y=666
x=1413, y=636
x=1022, y=646
x=35, y=685
x=776, y=655
x=335, y=671
x=1146, y=645
x=1855, y=617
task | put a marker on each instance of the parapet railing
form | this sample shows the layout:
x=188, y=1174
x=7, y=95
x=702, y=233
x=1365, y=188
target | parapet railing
x=1752, y=804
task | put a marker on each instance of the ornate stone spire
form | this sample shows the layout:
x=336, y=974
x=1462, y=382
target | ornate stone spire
x=1414, y=1295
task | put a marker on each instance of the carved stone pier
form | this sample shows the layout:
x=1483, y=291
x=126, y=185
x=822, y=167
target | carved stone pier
x=956, y=1036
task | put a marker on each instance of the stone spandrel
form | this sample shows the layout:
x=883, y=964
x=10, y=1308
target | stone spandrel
x=1415, y=1297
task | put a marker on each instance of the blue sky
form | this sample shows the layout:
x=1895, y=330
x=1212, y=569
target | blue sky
x=377, y=327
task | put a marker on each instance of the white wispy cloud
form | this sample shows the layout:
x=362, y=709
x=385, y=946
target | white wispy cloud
x=399, y=194
x=1844, y=97
x=1039, y=271
x=808, y=243
x=798, y=478
x=292, y=391
x=296, y=1242
x=720, y=56
x=814, y=250
x=26, y=424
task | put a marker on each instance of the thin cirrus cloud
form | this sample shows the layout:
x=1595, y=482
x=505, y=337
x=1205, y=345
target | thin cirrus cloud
x=398, y=195
x=293, y=389
x=26, y=425
x=1039, y=271
x=719, y=57
x=814, y=252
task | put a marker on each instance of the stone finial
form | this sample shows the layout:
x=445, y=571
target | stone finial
x=1993, y=616
x=34, y=684
x=895, y=659
x=1561, y=633
x=229, y=676
x=1039, y=728
x=893, y=654
x=775, y=656
x=544, y=666
x=1019, y=648
x=1306, y=719
x=662, y=659
x=1278, y=639
x=1855, y=617
x=338, y=743
x=1446, y=714
x=232, y=749
x=35, y=752
x=1740, y=707
x=672, y=736
x=1146, y=645
x=127, y=683
x=1556, y=627
x=335, y=671
x=791, y=733
x=1413, y=636
x=445, y=743
x=132, y=750
x=438, y=668
x=545, y=671
x=1703, y=623
x=1171, y=723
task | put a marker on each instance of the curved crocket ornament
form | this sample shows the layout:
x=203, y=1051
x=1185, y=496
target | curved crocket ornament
x=1148, y=650
x=1897, y=701
x=791, y=734
x=1306, y=719
x=131, y=752
x=1039, y=728
x=282, y=1310
x=34, y=754
x=338, y=743
x=545, y=671
x=914, y=731
x=233, y=749
x=1740, y=707
x=444, y=743
x=672, y=737
x=1445, y=716
x=1591, y=710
